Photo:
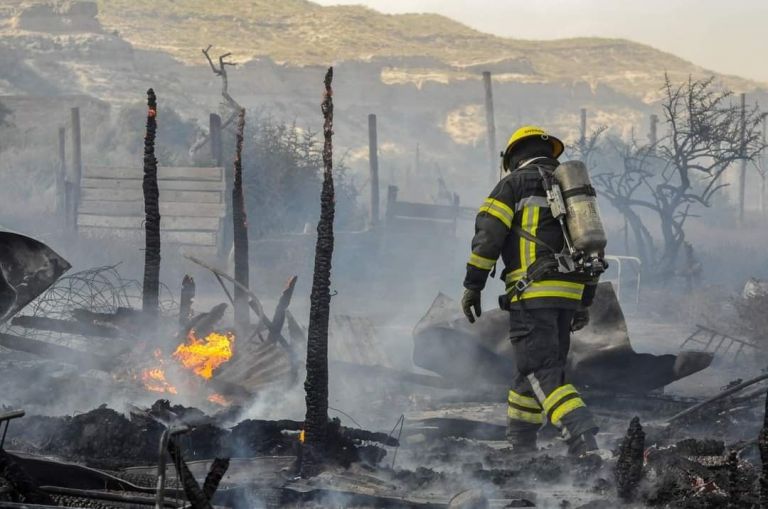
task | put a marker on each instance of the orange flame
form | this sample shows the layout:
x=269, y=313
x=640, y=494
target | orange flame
x=219, y=399
x=203, y=356
x=301, y=436
x=154, y=378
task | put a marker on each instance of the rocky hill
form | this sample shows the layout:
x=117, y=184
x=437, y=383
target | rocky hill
x=299, y=32
x=421, y=74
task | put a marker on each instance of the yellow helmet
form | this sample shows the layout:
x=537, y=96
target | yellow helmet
x=527, y=132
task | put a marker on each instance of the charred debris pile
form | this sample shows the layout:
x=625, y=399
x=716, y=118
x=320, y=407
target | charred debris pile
x=169, y=455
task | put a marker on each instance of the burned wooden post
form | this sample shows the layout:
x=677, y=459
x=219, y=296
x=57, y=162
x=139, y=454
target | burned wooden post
x=217, y=154
x=653, y=134
x=240, y=232
x=316, y=384
x=373, y=159
x=629, y=466
x=734, y=480
x=61, y=177
x=151, y=288
x=490, y=123
x=186, y=300
x=583, y=129
x=72, y=185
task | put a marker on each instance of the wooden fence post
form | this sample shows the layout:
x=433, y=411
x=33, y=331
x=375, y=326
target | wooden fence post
x=490, y=124
x=61, y=179
x=73, y=185
x=373, y=158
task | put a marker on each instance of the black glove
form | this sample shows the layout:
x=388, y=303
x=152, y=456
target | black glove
x=580, y=319
x=471, y=299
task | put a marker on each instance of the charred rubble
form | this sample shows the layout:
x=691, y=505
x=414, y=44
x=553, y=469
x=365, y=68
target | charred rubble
x=686, y=453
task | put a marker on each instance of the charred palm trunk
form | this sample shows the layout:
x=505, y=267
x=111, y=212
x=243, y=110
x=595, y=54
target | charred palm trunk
x=629, y=467
x=151, y=287
x=240, y=231
x=316, y=384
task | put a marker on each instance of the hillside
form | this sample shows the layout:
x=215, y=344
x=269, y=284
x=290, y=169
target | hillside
x=299, y=32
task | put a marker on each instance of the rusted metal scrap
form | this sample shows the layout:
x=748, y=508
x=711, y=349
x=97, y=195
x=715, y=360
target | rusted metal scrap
x=67, y=326
x=65, y=354
x=601, y=354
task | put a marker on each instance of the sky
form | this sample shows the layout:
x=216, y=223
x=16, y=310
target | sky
x=729, y=37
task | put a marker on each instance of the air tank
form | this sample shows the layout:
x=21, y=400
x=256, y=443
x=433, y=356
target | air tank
x=583, y=216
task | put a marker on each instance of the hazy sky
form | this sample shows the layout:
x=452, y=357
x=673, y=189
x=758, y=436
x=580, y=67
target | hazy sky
x=725, y=36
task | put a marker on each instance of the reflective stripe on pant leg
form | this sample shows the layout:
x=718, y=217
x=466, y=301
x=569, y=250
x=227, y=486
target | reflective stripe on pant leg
x=560, y=402
x=524, y=408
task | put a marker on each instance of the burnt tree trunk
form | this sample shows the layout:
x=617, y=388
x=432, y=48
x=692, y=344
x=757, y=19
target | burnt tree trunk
x=151, y=289
x=316, y=384
x=186, y=300
x=240, y=232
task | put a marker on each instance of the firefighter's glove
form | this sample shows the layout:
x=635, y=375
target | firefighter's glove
x=580, y=319
x=471, y=299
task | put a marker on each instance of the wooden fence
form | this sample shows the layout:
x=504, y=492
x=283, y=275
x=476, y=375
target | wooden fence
x=192, y=204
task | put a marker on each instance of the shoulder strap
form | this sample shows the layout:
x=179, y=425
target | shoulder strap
x=532, y=238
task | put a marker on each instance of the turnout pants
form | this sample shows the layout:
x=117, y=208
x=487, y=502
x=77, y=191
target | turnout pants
x=539, y=393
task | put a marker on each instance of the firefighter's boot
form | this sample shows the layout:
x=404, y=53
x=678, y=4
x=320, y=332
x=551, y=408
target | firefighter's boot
x=522, y=436
x=583, y=444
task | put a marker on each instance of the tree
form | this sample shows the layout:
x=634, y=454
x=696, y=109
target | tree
x=285, y=168
x=622, y=188
x=707, y=133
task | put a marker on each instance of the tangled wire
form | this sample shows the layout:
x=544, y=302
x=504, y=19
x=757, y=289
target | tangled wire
x=99, y=290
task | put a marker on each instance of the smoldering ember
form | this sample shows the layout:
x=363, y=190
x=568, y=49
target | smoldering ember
x=242, y=262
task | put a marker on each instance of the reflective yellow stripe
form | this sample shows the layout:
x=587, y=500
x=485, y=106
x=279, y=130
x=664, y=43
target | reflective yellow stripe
x=566, y=408
x=557, y=395
x=499, y=210
x=529, y=223
x=540, y=289
x=534, y=230
x=500, y=205
x=519, y=415
x=524, y=401
x=523, y=251
x=481, y=262
x=574, y=285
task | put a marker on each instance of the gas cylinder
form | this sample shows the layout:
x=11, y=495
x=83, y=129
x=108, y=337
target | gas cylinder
x=582, y=214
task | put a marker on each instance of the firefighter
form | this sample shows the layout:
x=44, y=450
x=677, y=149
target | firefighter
x=544, y=304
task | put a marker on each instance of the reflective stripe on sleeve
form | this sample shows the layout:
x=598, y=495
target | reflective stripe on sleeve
x=499, y=210
x=481, y=262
